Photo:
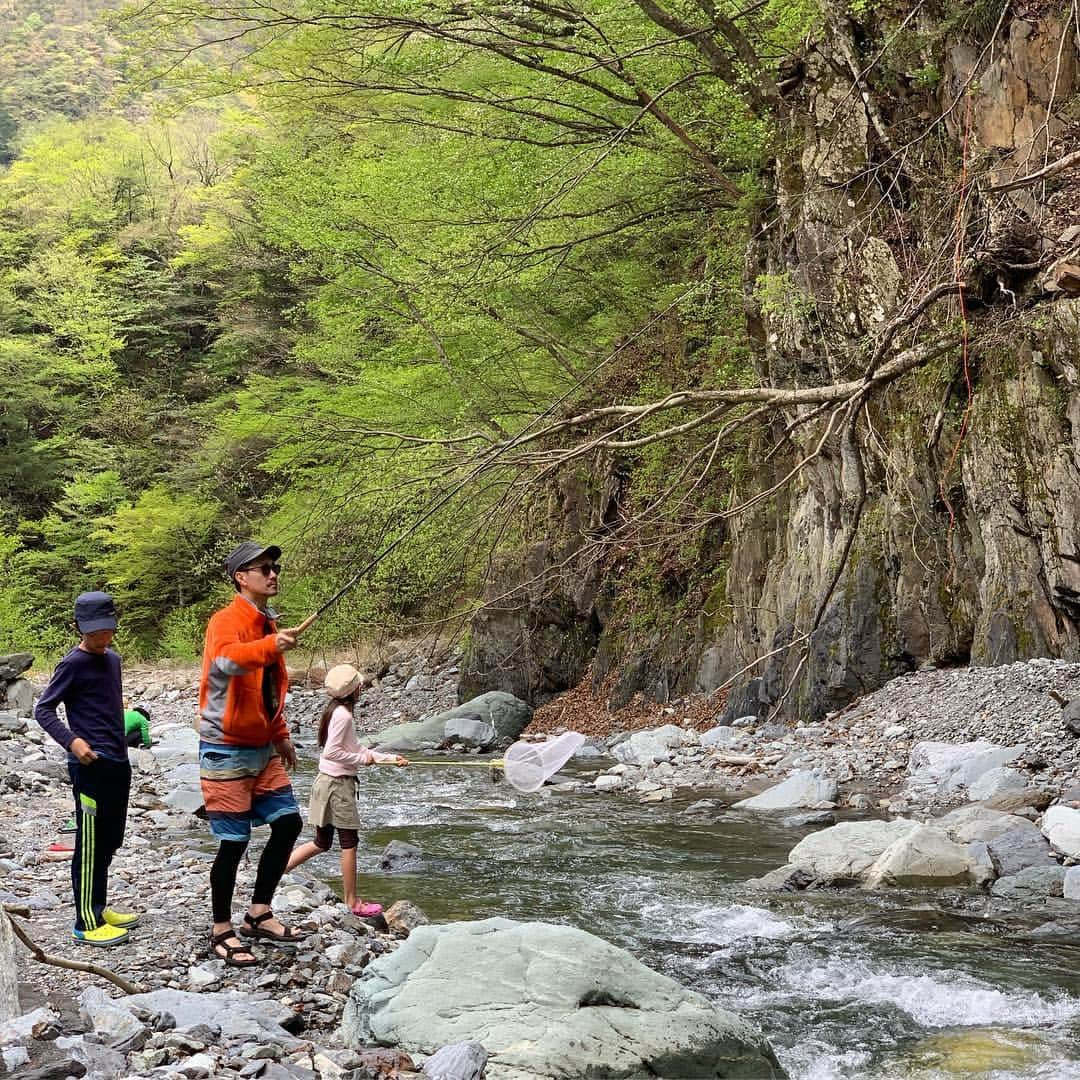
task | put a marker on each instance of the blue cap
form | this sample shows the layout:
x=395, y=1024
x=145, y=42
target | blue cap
x=95, y=611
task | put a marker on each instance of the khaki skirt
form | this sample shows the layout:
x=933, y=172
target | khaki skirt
x=333, y=802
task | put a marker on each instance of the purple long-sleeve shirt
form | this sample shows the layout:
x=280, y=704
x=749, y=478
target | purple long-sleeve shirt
x=91, y=688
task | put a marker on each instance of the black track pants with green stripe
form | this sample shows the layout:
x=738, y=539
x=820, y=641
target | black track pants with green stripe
x=101, y=803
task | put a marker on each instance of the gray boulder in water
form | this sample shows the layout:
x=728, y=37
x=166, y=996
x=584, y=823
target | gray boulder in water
x=506, y=714
x=399, y=855
x=546, y=1001
x=470, y=731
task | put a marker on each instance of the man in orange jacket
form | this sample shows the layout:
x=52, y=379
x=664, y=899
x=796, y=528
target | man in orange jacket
x=244, y=749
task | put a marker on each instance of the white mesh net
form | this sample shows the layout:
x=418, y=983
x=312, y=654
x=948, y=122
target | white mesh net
x=527, y=766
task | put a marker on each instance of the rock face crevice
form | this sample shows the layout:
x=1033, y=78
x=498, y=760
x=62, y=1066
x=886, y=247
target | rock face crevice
x=966, y=547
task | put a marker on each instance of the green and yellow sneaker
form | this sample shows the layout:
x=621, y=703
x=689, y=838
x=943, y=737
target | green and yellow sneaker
x=125, y=920
x=102, y=936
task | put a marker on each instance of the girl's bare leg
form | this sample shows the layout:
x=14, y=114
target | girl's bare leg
x=302, y=854
x=348, y=875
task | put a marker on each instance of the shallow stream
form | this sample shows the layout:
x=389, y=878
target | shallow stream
x=844, y=983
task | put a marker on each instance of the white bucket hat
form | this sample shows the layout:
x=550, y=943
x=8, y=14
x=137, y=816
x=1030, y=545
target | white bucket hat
x=342, y=680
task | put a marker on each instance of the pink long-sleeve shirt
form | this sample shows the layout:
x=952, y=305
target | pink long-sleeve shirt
x=343, y=753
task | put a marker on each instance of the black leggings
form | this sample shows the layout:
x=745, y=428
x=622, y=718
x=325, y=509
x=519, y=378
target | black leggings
x=272, y=863
x=324, y=837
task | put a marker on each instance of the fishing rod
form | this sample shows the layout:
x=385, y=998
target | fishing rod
x=495, y=763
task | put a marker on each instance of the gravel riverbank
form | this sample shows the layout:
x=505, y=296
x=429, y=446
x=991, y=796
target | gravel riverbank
x=866, y=757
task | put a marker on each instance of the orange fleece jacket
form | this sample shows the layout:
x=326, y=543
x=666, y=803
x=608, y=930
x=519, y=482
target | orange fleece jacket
x=238, y=649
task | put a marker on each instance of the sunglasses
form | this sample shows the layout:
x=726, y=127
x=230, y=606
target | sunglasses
x=266, y=569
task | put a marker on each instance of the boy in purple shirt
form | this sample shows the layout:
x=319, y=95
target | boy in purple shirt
x=88, y=682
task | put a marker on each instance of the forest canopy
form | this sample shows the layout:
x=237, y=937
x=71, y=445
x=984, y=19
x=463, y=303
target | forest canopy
x=259, y=271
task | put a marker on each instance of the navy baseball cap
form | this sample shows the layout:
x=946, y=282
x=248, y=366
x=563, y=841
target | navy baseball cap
x=95, y=611
x=248, y=552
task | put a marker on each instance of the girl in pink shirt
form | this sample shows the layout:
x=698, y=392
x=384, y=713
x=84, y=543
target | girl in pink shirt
x=333, y=795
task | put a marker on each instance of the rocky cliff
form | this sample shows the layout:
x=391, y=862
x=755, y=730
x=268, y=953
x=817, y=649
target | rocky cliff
x=924, y=204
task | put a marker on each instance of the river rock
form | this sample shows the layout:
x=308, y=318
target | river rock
x=236, y=1014
x=1061, y=826
x=403, y=917
x=12, y=723
x=719, y=736
x=946, y=767
x=399, y=856
x=1018, y=849
x=19, y=697
x=817, y=819
x=804, y=787
x=608, y=782
x=114, y=1025
x=12, y=665
x=9, y=984
x=649, y=747
x=470, y=732
x=1034, y=883
x=546, y=1001
x=175, y=744
x=995, y=782
x=462, y=1061
x=848, y=850
x=1071, y=884
x=1011, y=801
x=185, y=799
x=979, y=823
x=783, y=879
x=983, y=870
x=922, y=856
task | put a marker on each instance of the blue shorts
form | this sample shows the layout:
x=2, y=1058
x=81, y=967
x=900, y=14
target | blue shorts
x=243, y=786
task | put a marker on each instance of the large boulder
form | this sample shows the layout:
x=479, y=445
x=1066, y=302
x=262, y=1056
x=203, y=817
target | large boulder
x=508, y=715
x=1034, y=883
x=12, y=665
x=802, y=788
x=848, y=850
x=423, y=734
x=1018, y=849
x=546, y=1002
x=922, y=856
x=944, y=768
x=1061, y=826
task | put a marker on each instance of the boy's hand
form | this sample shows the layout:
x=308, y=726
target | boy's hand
x=399, y=760
x=287, y=752
x=81, y=749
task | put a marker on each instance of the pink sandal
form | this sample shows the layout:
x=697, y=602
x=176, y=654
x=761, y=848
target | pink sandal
x=365, y=909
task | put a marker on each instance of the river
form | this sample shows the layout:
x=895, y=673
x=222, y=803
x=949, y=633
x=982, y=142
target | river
x=845, y=984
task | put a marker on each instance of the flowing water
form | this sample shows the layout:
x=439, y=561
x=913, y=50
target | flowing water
x=844, y=983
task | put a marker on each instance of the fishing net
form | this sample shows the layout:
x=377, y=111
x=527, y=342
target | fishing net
x=527, y=766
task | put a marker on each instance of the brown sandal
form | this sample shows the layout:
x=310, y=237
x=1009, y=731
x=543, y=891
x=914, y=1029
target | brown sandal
x=253, y=929
x=217, y=941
